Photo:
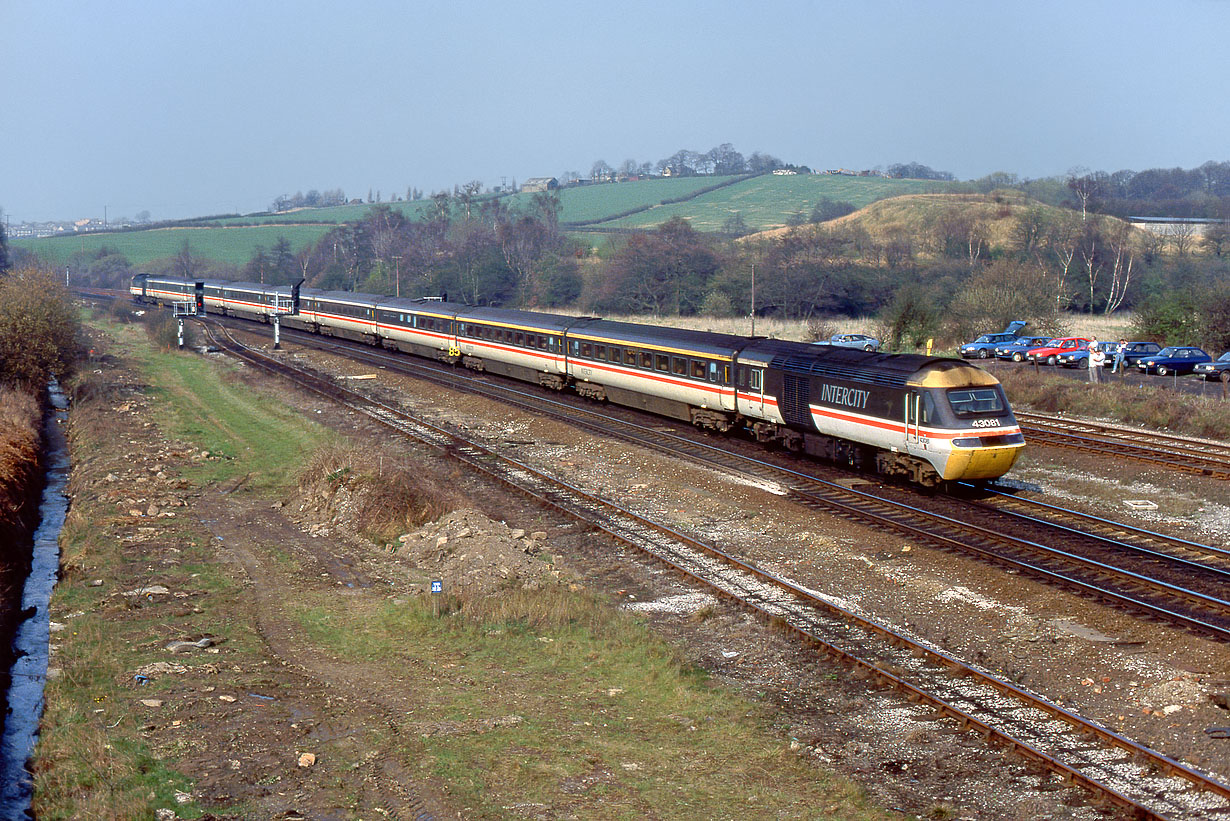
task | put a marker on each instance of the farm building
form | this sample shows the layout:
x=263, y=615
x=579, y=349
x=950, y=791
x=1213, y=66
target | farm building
x=540, y=184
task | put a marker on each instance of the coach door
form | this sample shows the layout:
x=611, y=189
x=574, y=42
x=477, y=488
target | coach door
x=913, y=409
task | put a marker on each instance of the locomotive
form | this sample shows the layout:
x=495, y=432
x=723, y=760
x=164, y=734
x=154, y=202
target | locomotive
x=923, y=419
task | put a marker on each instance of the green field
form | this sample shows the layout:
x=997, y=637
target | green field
x=332, y=215
x=764, y=202
x=768, y=201
x=230, y=245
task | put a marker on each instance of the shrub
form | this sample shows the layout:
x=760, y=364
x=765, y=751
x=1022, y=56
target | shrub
x=39, y=328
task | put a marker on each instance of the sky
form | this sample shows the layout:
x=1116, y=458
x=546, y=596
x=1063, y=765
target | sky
x=196, y=108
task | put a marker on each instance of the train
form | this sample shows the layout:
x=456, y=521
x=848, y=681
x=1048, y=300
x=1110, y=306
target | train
x=923, y=419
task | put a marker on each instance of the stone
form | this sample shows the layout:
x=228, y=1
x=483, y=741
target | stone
x=307, y=760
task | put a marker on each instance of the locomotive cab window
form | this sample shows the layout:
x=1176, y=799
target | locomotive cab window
x=754, y=378
x=969, y=401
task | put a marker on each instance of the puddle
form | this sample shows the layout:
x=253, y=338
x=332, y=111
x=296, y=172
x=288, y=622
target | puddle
x=29, y=671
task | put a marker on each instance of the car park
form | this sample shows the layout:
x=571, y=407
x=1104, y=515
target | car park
x=1049, y=353
x=1177, y=359
x=1215, y=371
x=860, y=342
x=1079, y=357
x=1017, y=348
x=984, y=346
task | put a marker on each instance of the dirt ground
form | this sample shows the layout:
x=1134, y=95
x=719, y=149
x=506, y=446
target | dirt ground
x=1150, y=682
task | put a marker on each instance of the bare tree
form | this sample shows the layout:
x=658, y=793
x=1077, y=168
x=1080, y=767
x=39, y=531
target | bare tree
x=1123, y=257
x=1216, y=237
x=1182, y=236
x=1086, y=187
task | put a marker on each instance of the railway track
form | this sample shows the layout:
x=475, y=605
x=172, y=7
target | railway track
x=1125, y=570
x=1162, y=449
x=1143, y=782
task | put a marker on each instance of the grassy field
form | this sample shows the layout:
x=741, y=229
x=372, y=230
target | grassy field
x=764, y=202
x=231, y=245
x=769, y=201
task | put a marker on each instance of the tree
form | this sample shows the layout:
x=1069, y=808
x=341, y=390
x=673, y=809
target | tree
x=1001, y=292
x=1086, y=187
x=1217, y=237
x=1182, y=236
x=826, y=209
x=724, y=160
x=735, y=225
x=600, y=171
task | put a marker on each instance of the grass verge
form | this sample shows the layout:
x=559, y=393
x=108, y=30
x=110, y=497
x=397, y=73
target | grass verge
x=1148, y=407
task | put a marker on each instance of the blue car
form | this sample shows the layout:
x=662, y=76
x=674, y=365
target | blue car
x=861, y=342
x=1176, y=359
x=984, y=346
x=1016, y=349
x=1215, y=371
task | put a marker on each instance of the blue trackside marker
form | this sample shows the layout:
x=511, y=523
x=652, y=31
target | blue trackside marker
x=437, y=587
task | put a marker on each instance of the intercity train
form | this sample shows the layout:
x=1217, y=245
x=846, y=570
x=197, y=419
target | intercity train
x=923, y=419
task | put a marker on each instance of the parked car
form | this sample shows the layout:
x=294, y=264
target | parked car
x=1137, y=351
x=859, y=341
x=1079, y=357
x=1176, y=359
x=1017, y=348
x=984, y=346
x=1047, y=354
x=1217, y=370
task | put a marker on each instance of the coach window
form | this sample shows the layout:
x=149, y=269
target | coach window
x=600, y=352
x=698, y=369
x=713, y=372
x=552, y=342
x=520, y=340
x=630, y=357
x=647, y=360
x=661, y=362
x=587, y=350
x=680, y=366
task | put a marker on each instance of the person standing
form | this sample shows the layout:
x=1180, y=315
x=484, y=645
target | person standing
x=1095, y=360
x=1120, y=356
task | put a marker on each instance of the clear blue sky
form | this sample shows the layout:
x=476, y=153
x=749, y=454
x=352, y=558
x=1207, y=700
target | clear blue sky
x=192, y=108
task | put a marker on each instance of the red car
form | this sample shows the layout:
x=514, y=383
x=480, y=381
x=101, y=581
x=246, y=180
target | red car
x=1048, y=352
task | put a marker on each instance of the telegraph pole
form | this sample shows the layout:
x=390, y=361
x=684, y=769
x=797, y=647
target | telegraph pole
x=397, y=269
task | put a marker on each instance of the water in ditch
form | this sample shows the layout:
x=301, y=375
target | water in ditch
x=29, y=671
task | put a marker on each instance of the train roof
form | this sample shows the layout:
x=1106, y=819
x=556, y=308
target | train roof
x=677, y=340
x=851, y=364
x=349, y=298
x=524, y=320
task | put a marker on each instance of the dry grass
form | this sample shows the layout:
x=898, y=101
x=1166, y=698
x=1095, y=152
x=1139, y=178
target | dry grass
x=1155, y=408
x=19, y=447
x=383, y=496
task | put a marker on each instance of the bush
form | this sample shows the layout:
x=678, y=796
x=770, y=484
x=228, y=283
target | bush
x=39, y=328
x=163, y=329
x=819, y=330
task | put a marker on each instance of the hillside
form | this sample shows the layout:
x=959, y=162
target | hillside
x=922, y=217
x=765, y=201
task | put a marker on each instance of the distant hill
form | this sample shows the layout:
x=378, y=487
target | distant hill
x=764, y=202
x=920, y=216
